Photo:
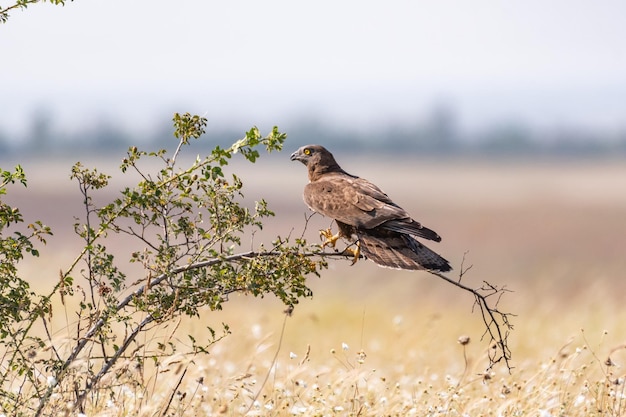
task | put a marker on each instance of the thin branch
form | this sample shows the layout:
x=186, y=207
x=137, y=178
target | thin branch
x=15, y=6
x=113, y=359
x=131, y=232
x=307, y=218
x=497, y=324
x=174, y=390
x=464, y=270
x=181, y=142
x=269, y=371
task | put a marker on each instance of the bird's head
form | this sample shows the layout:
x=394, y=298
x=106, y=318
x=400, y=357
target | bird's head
x=317, y=160
x=311, y=154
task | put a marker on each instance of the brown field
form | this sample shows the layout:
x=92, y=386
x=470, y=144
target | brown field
x=374, y=341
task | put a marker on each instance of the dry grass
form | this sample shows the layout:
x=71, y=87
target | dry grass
x=380, y=342
x=338, y=359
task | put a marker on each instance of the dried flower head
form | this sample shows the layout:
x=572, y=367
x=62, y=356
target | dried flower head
x=464, y=340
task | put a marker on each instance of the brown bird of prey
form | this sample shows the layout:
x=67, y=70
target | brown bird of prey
x=385, y=232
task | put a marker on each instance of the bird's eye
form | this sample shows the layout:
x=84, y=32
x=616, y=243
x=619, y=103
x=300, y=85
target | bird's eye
x=307, y=151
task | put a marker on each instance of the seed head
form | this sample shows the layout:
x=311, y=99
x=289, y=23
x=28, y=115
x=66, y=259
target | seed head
x=464, y=340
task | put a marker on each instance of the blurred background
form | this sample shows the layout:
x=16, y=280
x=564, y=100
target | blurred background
x=447, y=77
x=502, y=126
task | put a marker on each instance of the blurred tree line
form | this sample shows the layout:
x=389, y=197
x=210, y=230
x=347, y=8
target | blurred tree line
x=438, y=134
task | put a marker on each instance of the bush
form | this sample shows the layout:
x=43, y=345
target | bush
x=185, y=223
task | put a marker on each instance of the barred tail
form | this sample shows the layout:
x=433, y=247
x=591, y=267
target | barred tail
x=400, y=251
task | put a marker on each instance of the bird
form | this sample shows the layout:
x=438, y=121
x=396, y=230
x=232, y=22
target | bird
x=385, y=233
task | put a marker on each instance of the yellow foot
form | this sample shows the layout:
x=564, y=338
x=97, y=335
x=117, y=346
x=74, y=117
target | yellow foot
x=356, y=253
x=331, y=240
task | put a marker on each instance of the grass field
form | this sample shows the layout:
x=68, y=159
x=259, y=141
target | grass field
x=380, y=342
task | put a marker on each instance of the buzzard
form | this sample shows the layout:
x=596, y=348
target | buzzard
x=385, y=232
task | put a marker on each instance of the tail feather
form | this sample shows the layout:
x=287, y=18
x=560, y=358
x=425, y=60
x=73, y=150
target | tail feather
x=411, y=227
x=400, y=251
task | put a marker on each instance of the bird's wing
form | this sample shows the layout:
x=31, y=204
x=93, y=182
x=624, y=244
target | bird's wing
x=388, y=214
x=353, y=201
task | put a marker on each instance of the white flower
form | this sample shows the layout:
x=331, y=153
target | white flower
x=128, y=392
x=295, y=410
x=257, y=331
x=337, y=408
x=292, y=355
x=52, y=381
x=345, y=346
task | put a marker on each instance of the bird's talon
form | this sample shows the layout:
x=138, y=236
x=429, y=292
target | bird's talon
x=356, y=253
x=331, y=240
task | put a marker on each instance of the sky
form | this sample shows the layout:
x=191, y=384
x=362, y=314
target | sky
x=357, y=64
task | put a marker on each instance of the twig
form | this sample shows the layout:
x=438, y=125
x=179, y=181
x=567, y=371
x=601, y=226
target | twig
x=497, y=324
x=307, y=219
x=180, y=380
x=269, y=371
x=463, y=269
x=113, y=359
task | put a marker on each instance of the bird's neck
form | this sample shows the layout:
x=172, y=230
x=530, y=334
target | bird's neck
x=317, y=170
